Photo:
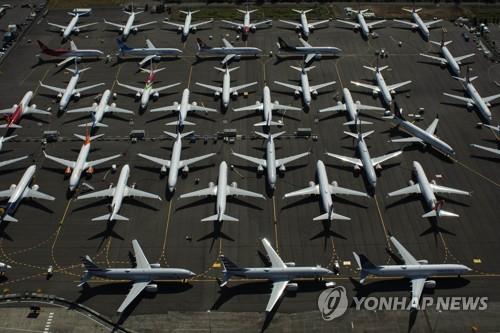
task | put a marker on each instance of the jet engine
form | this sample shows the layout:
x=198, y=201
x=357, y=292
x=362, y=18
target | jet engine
x=157, y=58
x=156, y=95
x=290, y=264
x=155, y=265
x=35, y=187
x=211, y=184
x=312, y=184
x=134, y=30
x=334, y=183
x=253, y=28
x=314, y=93
x=317, y=57
x=393, y=92
x=411, y=182
x=67, y=170
x=90, y=170
x=77, y=95
x=121, y=29
x=185, y=169
x=59, y=95
x=94, y=104
x=374, y=93
x=443, y=64
x=179, y=29
x=296, y=93
x=470, y=105
x=194, y=103
x=216, y=93
x=356, y=29
x=282, y=168
x=237, y=57
x=298, y=28
x=12, y=187
x=292, y=287
x=357, y=169
x=260, y=168
x=152, y=288
x=378, y=167
x=235, y=94
x=430, y=284
x=113, y=105
x=234, y=184
x=163, y=169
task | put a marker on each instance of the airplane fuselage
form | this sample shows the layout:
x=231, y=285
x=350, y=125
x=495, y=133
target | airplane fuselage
x=364, y=156
x=128, y=25
x=271, y=162
x=226, y=86
x=70, y=27
x=324, y=187
x=316, y=50
x=102, y=106
x=421, y=25
x=350, y=106
x=411, y=271
x=221, y=191
x=183, y=107
x=267, y=106
x=187, y=25
x=243, y=50
x=121, y=185
x=69, y=92
x=450, y=60
x=481, y=106
x=279, y=273
x=19, y=191
x=146, y=51
x=76, y=173
x=173, y=171
x=424, y=185
x=136, y=274
x=304, y=25
x=384, y=91
x=365, y=30
x=246, y=23
x=306, y=90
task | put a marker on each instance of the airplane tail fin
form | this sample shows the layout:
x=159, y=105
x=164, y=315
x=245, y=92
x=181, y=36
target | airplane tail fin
x=282, y=44
x=43, y=47
x=228, y=267
x=89, y=267
x=201, y=45
x=8, y=218
x=8, y=138
x=220, y=217
x=363, y=263
x=154, y=71
x=267, y=136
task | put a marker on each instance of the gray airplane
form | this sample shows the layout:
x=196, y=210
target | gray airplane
x=72, y=27
x=221, y=190
x=142, y=275
x=129, y=26
x=270, y=163
x=304, y=26
x=247, y=25
x=361, y=25
x=364, y=161
x=325, y=190
x=418, y=135
x=352, y=108
x=228, y=51
x=305, y=89
x=280, y=273
x=417, y=271
x=418, y=23
x=149, y=53
x=188, y=25
x=310, y=52
x=226, y=91
x=175, y=163
x=428, y=189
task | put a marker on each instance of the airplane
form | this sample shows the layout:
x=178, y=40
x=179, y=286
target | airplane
x=494, y=128
x=183, y=108
x=325, y=191
x=226, y=90
x=280, y=273
x=75, y=168
x=267, y=107
x=418, y=135
x=71, y=54
x=229, y=51
x=148, y=90
x=187, y=27
x=305, y=89
x=303, y=26
x=119, y=192
x=270, y=163
x=149, y=53
x=482, y=104
x=488, y=149
x=381, y=88
x=14, y=114
x=4, y=268
x=417, y=271
x=142, y=275
x=129, y=26
x=418, y=23
x=99, y=110
x=72, y=26
x=364, y=161
x=352, y=109
x=310, y=52
x=428, y=189
x=65, y=94
x=247, y=26
x=361, y=25
x=5, y=139
x=20, y=191
x=175, y=163
x=222, y=190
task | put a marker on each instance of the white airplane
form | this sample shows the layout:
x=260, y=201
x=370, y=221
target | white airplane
x=71, y=54
x=4, y=268
x=352, y=108
x=228, y=51
x=303, y=26
x=247, y=26
x=99, y=110
x=428, y=191
x=75, y=168
x=305, y=89
x=226, y=90
x=365, y=161
x=482, y=104
x=361, y=25
x=270, y=163
x=446, y=57
x=488, y=149
x=65, y=94
x=129, y=26
x=145, y=93
x=20, y=191
x=310, y=52
x=280, y=273
x=188, y=26
x=222, y=190
x=14, y=114
x=417, y=271
x=183, y=108
x=142, y=275
x=418, y=23
x=494, y=128
x=418, y=135
x=325, y=191
x=5, y=139
x=72, y=26
x=149, y=53
x=267, y=107
x=119, y=192
x=175, y=163
x=381, y=88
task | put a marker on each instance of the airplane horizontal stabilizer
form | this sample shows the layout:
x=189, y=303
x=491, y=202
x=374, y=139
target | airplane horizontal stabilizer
x=331, y=216
x=439, y=213
x=93, y=125
x=356, y=122
x=218, y=217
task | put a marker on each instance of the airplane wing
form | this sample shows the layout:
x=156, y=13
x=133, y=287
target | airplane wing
x=459, y=59
x=255, y=160
x=214, y=88
x=177, y=25
x=305, y=191
x=57, y=25
x=398, y=85
x=100, y=161
x=6, y=193
x=304, y=43
x=14, y=160
x=146, y=59
x=460, y=98
x=283, y=161
x=281, y=107
x=336, y=108
x=227, y=44
x=407, y=257
x=352, y=160
x=428, y=24
x=114, y=24
x=140, y=258
x=109, y=192
x=118, y=110
x=199, y=108
x=166, y=87
x=190, y=161
x=237, y=25
x=440, y=59
x=353, y=24
x=295, y=24
x=363, y=107
x=132, y=192
x=139, y=90
x=371, y=24
x=56, y=89
x=174, y=107
x=34, y=194
x=319, y=86
x=150, y=44
x=411, y=24
x=227, y=58
x=201, y=193
x=491, y=98
x=278, y=289
x=314, y=24
x=383, y=158
x=309, y=57
x=156, y=160
x=432, y=127
x=256, y=24
x=417, y=286
x=85, y=109
x=136, y=289
x=443, y=189
x=31, y=110
x=137, y=26
x=274, y=258
x=411, y=139
x=341, y=190
x=199, y=24
x=412, y=189
x=366, y=85
x=250, y=108
x=9, y=110
x=86, y=25
x=65, y=61
x=491, y=150
x=291, y=86
x=79, y=90
x=231, y=190
x=240, y=87
x=62, y=161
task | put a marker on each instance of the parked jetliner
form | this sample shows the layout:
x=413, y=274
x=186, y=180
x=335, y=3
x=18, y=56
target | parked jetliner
x=305, y=89
x=361, y=25
x=72, y=26
x=14, y=114
x=75, y=168
x=183, y=108
x=270, y=163
x=228, y=51
x=447, y=58
x=488, y=149
x=310, y=52
x=418, y=23
x=417, y=271
x=149, y=53
x=280, y=273
x=303, y=26
x=175, y=163
x=222, y=190
x=428, y=189
x=325, y=191
x=187, y=26
x=119, y=192
x=20, y=191
x=267, y=107
x=226, y=90
x=129, y=26
x=142, y=275
x=365, y=161
x=247, y=26
x=71, y=54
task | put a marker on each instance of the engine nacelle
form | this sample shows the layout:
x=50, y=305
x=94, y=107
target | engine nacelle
x=318, y=57
x=257, y=103
x=290, y=264
x=12, y=187
x=470, y=106
x=121, y=29
x=378, y=167
x=282, y=168
x=77, y=95
x=253, y=28
x=234, y=94
x=67, y=170
x=356, y=29
x=311, y=184
x=374, y=93
x=137, y=95
x=157, y=58
x=113, y=105
x=443, y=64
x=260, y=168
x=314, y=93
x=414, y=29
x=411, y=182
x=179, y=29
x=237, y=57
x=334, y=183
x=298, y=28
x=59, y=95
x=94, y=104
x=163, y=169
x=33, y=106
x=430, y=284
x=35, y=187
x=216, y=93
x=292, y=287
x=76, y=31
x=276, y=102
x=185, y=169
x=156, y=95
x=433, y=182
x=423, y=261
x=134, y=30
x=357, y=168
x=193, y=29
x=90, y=170
x=296, y=93
x=194, y=103
x=152, y=288
x=155, y=265
x=234, y=184
x=393, y=92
